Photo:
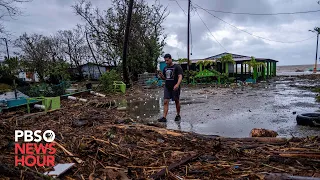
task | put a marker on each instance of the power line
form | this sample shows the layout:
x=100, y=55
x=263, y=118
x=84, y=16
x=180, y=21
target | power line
x=251, y=33
x=181, y=7
x=191, y=36
x=190, y=23
x=210, y=32
x=262, y=14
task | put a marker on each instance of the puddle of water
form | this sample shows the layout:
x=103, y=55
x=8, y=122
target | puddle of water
x=233, y=115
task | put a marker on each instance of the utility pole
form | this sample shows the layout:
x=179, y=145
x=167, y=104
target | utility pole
x=315, y=66
x=14, y=80
x=125, y=45
x=188, y=65
x=5, y=40
x=316, y=30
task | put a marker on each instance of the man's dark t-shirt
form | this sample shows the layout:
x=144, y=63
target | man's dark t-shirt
x=171, y=74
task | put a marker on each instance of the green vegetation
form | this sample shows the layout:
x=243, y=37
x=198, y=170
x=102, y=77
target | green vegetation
x=254, y=64
x=107, y=80
x=182, y=60
x=8, y=70
x=225, y=60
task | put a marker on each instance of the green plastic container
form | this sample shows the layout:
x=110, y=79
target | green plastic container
x=50, y=103
x=119, y=85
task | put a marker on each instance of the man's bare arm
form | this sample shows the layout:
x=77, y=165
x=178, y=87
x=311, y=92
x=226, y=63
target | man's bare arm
x=179, y=79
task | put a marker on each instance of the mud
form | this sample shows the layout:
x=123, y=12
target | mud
x=233, y=112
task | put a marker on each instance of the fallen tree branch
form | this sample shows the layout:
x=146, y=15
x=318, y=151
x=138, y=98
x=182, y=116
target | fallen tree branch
x=104, y=141
x=300, y=155
x=68, y=152
x=172, y=166
x=291, y=160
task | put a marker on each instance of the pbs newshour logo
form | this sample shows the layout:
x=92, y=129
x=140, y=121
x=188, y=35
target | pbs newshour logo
x=32, y=151
x=47, y=136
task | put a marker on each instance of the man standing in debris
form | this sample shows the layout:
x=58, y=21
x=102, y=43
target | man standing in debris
x=172, y=73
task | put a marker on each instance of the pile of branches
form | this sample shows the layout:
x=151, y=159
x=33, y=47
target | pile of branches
x=105, y=144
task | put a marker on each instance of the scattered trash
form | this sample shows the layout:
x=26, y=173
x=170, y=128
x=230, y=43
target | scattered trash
x=38, y=106
x=160, y=140
x=81, y=122
x=97, y=94
x=122, y=108
x=77, y=99
x=59, y=169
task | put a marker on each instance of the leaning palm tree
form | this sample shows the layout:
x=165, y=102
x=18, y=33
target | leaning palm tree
x=254, y=64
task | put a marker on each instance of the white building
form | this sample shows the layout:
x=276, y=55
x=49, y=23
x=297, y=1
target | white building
x=28, y=76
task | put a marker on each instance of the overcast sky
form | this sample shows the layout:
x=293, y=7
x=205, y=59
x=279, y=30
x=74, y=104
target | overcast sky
x=49, y=16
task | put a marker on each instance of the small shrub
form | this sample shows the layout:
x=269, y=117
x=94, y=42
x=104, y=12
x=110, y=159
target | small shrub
x=4, y=87
x=107, y=79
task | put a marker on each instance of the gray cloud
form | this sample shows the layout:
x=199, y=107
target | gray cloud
x=49, y=16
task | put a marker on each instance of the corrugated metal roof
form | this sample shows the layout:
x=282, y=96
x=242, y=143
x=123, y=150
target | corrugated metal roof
x=236, y=58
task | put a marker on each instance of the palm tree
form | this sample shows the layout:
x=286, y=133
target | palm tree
x=225, y=60
x=316, y=30
x=204, y=63
x=182, y=60
x=254, y=64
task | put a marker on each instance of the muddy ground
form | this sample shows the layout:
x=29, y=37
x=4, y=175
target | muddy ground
x=233, y=112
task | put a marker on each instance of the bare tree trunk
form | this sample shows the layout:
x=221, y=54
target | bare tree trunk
x=125, y=45
x=94, y=57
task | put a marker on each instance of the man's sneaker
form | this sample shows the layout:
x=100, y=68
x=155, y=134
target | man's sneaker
x=178, y=118
x=163, y=119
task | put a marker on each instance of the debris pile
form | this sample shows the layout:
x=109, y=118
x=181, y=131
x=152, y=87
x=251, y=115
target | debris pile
x=105, y=144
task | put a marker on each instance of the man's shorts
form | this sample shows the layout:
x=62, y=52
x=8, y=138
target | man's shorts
x=171, y=94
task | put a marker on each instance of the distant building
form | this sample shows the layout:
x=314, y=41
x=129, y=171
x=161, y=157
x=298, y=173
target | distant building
x=239, y=69
x=92, y=71
x=28, y=76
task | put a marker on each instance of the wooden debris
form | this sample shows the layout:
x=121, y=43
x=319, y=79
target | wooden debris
x=256, y=132
x=68, y=152
x=133, y=150
x=300, y=155
x=172, y=166
x=277, y=176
